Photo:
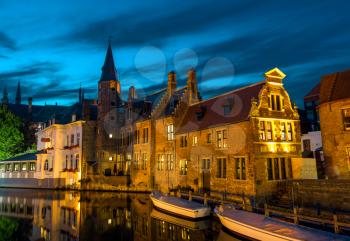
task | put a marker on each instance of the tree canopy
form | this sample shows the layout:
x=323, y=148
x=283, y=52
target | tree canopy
x=11, y=135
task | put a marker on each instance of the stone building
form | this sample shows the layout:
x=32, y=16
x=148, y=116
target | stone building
x=240, y=142
x=334, y=112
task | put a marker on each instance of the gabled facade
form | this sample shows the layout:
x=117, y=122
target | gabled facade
x=241, y=142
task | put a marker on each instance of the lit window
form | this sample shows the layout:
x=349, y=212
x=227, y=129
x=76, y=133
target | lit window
x=283, y=131
x=110, y=158
x=240, y=169
x=183, y=167
x=194, y=141
x=136, y=137
x=219, y=138
x=209, y=138
x=160, y=162
x=170, y=132
x=346, y=118
x=110, y=136
x=290, y=131
x=170, y=162
x=136, y=161
x=32, y=166
x=24, y=167
x=262, y=135
x=269, y=130
x=144, y=161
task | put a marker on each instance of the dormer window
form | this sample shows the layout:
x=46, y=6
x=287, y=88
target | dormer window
x=228, y=106
x=200, y=114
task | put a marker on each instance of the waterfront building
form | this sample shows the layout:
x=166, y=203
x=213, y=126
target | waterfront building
x=240, y=142
x=334, y=112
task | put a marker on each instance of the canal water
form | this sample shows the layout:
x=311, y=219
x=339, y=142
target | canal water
x=92, y=216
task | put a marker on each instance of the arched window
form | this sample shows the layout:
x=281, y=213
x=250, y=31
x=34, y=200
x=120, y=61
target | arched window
x=46, y=165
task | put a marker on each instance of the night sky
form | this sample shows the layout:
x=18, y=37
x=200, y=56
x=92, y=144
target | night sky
x=53, y=46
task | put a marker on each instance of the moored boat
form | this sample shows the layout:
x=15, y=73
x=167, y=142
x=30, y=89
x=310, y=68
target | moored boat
x=259, y=227
x=179, y=207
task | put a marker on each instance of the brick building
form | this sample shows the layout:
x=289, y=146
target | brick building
x=240, y=142
x=334, y=112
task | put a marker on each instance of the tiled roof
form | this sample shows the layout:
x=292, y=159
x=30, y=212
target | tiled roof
x=210, y=113
x=335, y=86
x=314, y=94
x=24, y=157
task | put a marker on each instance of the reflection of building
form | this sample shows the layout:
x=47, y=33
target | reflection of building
x=335, y=123
x=54, y=216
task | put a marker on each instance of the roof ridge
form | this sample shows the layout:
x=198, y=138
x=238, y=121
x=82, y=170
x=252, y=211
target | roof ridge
x=231, y=91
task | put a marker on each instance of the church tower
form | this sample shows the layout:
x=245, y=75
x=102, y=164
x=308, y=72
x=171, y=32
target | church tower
x=109, y=100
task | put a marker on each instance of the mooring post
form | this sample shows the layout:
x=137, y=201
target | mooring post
x=296, y=218
x=336, y=226
x=266, y=210
x=190, y=195
x=205, y=199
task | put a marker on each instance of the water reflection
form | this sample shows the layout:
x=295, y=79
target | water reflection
x=72, y=216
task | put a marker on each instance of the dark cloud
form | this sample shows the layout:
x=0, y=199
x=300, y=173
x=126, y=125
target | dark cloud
x=7, y=42
x=156, y=27
x=38, y=68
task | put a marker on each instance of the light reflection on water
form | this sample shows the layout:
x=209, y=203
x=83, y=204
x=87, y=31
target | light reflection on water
x=91, y=216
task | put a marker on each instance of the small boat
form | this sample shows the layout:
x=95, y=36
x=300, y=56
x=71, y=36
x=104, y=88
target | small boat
x=179, y=207
x=258, y=227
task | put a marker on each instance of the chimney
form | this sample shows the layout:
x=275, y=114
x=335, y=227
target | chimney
x=192, y=87
x=171, y=82
x=74, y=117
x=30, y=105
x=132, y=93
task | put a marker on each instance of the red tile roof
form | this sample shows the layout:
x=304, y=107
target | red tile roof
x=314, y=94
x=335, y=86
x=210, y=113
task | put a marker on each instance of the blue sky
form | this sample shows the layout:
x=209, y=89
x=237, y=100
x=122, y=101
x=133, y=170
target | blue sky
x=53, y=46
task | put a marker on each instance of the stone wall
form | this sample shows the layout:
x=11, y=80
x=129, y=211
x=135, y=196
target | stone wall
x=335, y=139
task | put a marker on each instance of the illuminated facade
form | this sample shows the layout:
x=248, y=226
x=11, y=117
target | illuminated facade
x=334, y=112
x=240, y=142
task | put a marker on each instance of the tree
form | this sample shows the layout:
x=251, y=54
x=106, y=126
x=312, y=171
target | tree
x=11, y=136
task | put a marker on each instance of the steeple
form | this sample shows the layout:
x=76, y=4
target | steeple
x=109, y=71
x=18, y=94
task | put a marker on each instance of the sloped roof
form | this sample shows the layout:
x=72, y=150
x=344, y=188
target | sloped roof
x=24, y=157
x=210, y=113
x=335, y=86
x=314, y=94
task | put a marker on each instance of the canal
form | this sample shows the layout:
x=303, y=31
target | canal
x=39, y=215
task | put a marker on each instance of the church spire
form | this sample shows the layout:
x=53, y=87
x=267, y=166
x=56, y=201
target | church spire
x=109, y=71
x=18, y=94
